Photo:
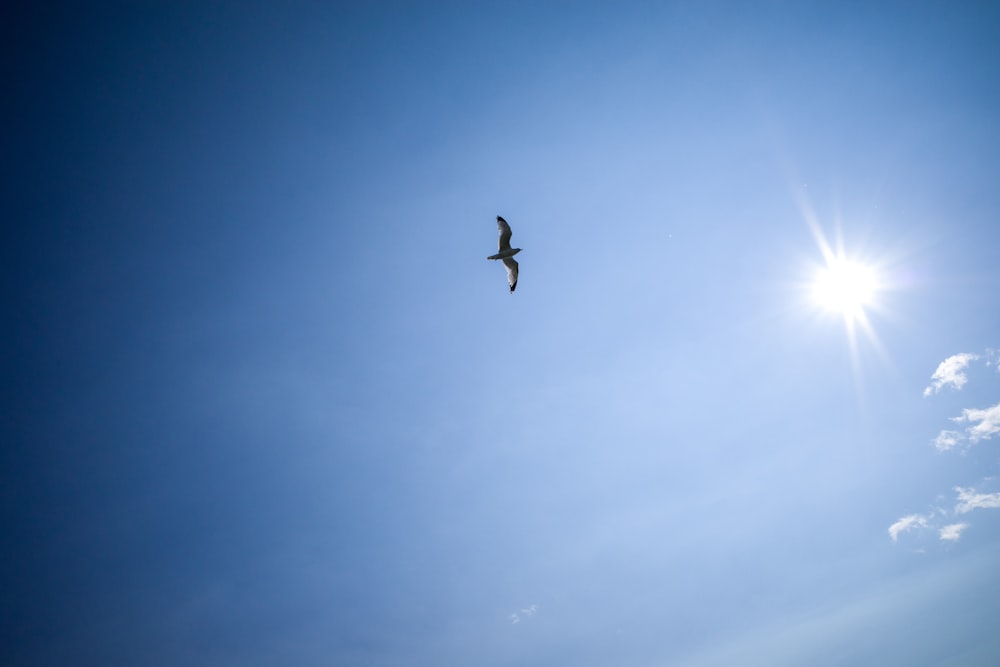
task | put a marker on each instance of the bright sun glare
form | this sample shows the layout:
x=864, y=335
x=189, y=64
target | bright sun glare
x=845, y=287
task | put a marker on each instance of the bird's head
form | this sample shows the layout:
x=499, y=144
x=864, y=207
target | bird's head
x=514, y=251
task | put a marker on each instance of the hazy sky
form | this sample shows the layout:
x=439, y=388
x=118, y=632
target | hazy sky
x=265, y=402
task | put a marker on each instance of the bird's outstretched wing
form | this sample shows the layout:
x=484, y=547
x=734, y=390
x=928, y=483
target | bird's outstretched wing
x=511, y=272
x=504, y=235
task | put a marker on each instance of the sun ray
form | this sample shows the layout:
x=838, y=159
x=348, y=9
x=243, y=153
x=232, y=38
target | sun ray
x=846, y=284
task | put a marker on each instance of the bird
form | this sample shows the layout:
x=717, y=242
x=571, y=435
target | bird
x=507, y=253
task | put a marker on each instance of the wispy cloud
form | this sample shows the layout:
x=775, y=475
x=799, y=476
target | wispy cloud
x=952, y=531
x=526, y=612
x=993, y=358
x=947, y=440
x=986, y=422
x=950, y=372
x=976, y=425
x=907, y=523
x=969, y=500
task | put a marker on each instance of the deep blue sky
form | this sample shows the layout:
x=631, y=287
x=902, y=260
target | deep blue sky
x=266, y=403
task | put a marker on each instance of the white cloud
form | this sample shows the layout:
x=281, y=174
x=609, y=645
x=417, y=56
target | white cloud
x=526, y=612
x=947, y=440
x=969, y=500
x=988, y=422
x=952, y=531
x=905, y=524
x=985, y=425
x=951, y=371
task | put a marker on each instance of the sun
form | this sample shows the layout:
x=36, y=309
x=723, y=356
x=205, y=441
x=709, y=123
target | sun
x=851, y=284
x=851, y=289
x=846, y=287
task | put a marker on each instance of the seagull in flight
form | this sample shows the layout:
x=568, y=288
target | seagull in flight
x=507, y=253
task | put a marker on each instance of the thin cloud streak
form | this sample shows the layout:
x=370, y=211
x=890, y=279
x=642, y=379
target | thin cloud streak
x=985, y=425
x=950, y=372
x=993, y=359
x=988, y=422
x=906, y=524
x=526, y=612
x=969, y=500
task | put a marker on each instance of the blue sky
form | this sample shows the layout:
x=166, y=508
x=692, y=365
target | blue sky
x=266, y=402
